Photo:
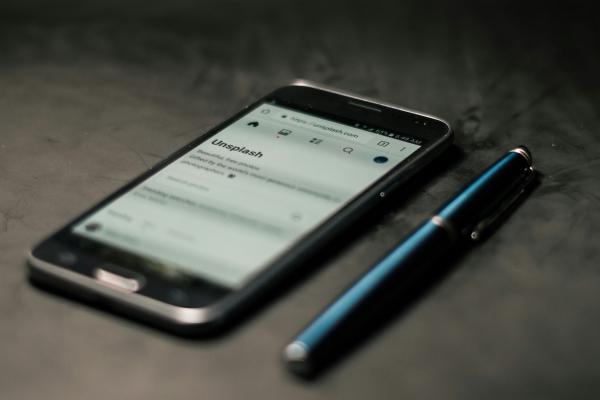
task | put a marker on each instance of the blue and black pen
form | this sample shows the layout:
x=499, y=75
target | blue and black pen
x=465, y=217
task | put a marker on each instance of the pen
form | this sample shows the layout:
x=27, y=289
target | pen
x=466, y=216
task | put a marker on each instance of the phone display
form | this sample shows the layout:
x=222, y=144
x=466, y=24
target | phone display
x=234, y=203
x=209, y=230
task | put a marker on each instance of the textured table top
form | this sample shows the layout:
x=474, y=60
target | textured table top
x=91, y=94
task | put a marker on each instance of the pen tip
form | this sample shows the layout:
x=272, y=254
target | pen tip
x=295, y=352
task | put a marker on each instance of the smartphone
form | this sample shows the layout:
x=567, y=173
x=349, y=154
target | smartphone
x=193, y=242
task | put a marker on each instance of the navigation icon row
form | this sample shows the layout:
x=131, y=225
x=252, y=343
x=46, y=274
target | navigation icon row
x=318, y=141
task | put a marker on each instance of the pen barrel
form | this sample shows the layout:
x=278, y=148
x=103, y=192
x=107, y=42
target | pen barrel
x=486, y=191
x=376, y=293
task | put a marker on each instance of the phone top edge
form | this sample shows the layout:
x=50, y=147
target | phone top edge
x=164, y=311
x=319, y=86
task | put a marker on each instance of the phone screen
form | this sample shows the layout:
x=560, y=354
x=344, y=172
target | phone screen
x=234, y=203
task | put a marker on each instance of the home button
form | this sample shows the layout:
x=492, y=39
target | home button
x=119, y=278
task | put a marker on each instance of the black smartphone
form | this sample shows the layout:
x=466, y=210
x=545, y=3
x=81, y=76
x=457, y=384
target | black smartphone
x=193, y=241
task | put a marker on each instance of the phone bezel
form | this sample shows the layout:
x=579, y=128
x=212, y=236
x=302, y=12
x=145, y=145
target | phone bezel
x=304, y=96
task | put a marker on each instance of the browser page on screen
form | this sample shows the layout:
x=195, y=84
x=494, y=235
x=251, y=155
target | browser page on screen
x=235, y=202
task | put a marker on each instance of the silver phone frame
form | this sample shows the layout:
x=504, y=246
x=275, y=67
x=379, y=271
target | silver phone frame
x=165, y=312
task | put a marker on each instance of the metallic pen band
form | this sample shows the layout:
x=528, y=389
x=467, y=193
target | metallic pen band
x=522, y=150
x=445, y=225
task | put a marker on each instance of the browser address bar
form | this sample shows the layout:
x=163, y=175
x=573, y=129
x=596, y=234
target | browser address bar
x=323, y=127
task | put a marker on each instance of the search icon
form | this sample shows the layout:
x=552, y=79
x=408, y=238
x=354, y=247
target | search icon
x=348, y=150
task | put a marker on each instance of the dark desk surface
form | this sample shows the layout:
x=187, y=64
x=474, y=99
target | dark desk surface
x=92, y=94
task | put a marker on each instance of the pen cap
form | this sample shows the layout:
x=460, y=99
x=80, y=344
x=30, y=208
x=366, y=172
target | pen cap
x=484, y=193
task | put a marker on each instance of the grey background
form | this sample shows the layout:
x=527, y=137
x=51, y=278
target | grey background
x=93, y=93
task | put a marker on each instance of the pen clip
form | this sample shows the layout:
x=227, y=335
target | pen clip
x=505, y=205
